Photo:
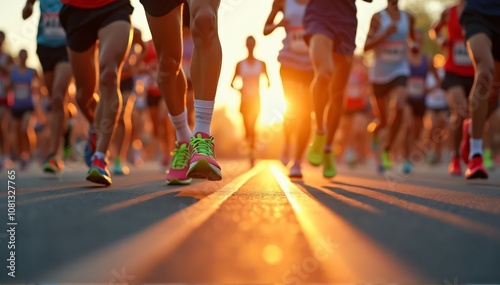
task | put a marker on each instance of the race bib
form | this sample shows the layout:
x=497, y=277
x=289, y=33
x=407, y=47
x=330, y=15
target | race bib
x=460, y=54
x=51, y=26
x=296, y=40
x=393, y=51
x=416, y=87
x=22, y=92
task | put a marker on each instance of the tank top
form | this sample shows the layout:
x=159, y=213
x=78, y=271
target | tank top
x=354, y=97
x=416, y=81
x=391, y=56
x=3, y=79
x=150, y=82
x=188, y=46
x=250, y=75
x=435, y=99
x=295, y=52
x=89, y=4
x=50, y=31
x=485, y=7
x=21, y=84
x=458, y=60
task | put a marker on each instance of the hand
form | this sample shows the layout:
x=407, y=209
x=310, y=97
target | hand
x=27, y=10
x=283, y=23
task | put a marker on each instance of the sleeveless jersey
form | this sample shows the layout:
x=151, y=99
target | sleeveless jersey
x=50, y=31
x=250, y=75
x=21, y=85
x=458, y=60
x=416, y=81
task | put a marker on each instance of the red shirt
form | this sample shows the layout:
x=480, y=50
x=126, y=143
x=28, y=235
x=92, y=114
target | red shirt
x=458, y=60
x=150, y=59
x=88, y=4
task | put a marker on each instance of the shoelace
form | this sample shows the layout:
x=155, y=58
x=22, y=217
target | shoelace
x=203, y=146
x=181, y=157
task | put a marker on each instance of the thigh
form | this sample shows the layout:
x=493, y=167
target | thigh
x=341, y=70
x=62, y=76
x=167, y=37
x=320, y=51
x=115, y=39
x=457, y=100
x=84, y=68
x=480, y=46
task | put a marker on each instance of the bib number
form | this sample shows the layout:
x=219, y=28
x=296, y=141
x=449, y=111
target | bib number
x=51, y=26
x=22, y=92
x=296, y=39
x=416, y=87
x=393, y=51
x=460, y=55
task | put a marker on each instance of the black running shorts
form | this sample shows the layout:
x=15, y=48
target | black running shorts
x=51, y=56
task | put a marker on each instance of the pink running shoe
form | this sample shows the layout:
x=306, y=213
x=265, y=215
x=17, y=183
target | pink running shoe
x=203, y=164
x=177, y=174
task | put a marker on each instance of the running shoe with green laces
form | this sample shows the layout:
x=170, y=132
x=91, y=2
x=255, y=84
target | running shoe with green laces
x=488, y=159
x=315, y=151
x=386, y=160
x=329, y=170
x=53, y=164
x=202, y=164
x=177, y=174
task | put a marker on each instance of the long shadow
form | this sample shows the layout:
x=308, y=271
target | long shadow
x=475, y=214
x=434, y=249
x=58, y=232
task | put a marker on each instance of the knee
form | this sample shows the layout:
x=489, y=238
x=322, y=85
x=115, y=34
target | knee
x=484, y=76
x=108, y=76
x=169, y=67
x=323, y=74
x=204, y=25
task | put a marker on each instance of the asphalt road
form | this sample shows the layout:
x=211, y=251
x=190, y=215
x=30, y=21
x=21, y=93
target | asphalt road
x=255, y=227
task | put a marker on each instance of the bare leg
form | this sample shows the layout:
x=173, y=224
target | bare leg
x=62, y=77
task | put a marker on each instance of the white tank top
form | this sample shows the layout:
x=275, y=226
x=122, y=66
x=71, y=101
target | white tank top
x=250, y=75
x=436, y=99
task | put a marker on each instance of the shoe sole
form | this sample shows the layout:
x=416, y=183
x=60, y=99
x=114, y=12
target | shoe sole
x=479, y=174
x=96, y=177
x=201, y=169
x=49, y=169
x=176, y=181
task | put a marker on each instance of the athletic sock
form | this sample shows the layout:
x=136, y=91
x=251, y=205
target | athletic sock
x=203, y=115
x=182, y=131
x=476, y=147
x=100, y=155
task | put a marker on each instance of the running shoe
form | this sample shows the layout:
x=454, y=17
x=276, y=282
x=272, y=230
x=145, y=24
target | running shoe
x=67, y=151
x=295, y=171
x=315, y=152
x=202, y=164
x=329, y=170
x=53, y=164
x=119, y=168
x=90, y=147
x=488, y=162
x=386, y=160
x=475, y=169
x=454, y=167
x=24, y=164
x=177, y=174
x=98, y=172
x=407, y=168
x=465, y=147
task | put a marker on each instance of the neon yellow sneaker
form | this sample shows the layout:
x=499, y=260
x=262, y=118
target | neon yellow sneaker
x=329, y=170
x=315, y=152
x=488, y=159
x=386, y=160
x=203, y=164
x=177, y=174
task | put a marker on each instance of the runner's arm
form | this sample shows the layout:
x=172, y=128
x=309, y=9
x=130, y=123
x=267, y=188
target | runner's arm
x=373, y=40
x=236, y=74
x=28, y=9
x=270, y=26
x=435, y=31
x=6, y=68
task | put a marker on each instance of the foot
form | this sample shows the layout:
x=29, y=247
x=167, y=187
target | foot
x=329, y=170
x=53, y=164
x=202, y=164
x=90, y=147
x=24, y=164
x=488, y=159
x=285, y=156
x=315, y=152
x=465, y=147
x=295, y=171
x=386, y=160
x=407, y=168
x=98, y=172
x=475, y=169
x=120, y=169
x=67, y=151
x=177, y=174
x=454, y=167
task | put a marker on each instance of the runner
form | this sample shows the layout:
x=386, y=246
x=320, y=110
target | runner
x=187, y=55
x=389, y=32
x=5, y=64
x=480, y=21
x=330, y=31
x=194, y=156
x=123, y=131
x=459, y=77
x=22, y=80
x=85, y=22
x=250, y=70
x=296, y=76
x=51, y=50
x=419, y=68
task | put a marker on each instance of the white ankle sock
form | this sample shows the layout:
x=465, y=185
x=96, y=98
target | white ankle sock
x=100, y=155
x=182, y=131
x=203, y=115
x=476, y=147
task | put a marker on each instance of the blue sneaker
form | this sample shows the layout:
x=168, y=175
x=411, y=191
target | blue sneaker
x=98, y=172
x=90, y=147
x=407, y=168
